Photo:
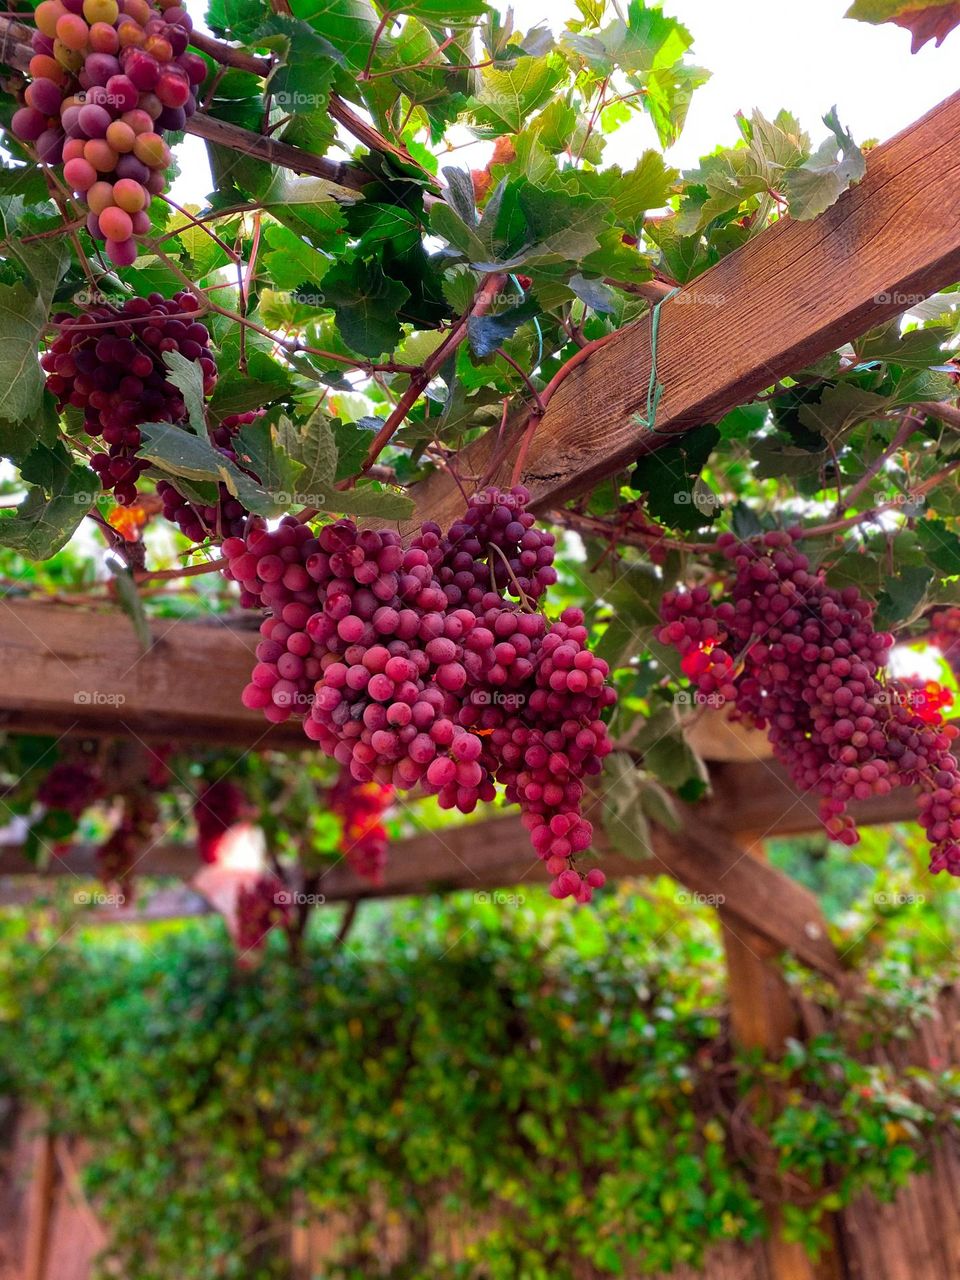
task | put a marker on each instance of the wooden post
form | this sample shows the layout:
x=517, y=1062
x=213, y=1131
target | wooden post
x=39, y=1208
x=763, y=1015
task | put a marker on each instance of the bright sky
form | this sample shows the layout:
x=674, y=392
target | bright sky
x=763, y=53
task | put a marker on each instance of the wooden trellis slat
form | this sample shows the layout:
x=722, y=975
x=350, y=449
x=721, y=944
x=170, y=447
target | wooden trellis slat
x=795, y=293
x=495, y=855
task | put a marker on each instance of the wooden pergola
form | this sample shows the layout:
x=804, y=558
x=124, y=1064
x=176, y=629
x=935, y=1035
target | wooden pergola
x=792, y=295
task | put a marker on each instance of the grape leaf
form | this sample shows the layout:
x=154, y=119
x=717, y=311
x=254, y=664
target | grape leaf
x=818, y=183
x=668, y=475
x=365, y=301
x=491, y=331
x=180, y=453
x=507, y=97
x=187, y=376
x=624, y=821
x=61, y=493
x=22, y=320
x=349, y=25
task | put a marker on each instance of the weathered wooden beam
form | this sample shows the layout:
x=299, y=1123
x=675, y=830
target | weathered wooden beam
x=795, y=293
x=71, y=670
x=496, y=855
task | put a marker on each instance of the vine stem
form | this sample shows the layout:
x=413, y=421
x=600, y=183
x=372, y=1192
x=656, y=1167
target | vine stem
x=482, y=301
x=907, y=427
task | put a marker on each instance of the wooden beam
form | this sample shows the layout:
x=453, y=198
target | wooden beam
x=80, y=671
x=496, y=855
x=72, y=670
x=795, y=293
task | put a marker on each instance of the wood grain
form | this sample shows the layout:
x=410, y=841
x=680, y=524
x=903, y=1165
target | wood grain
x=795, y=293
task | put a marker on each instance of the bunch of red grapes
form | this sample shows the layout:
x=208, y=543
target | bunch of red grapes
x=802, y=660
x=360, y=806
x=227, y=518
x=119, y=853
x=260, y=907
x=430, y=665
x=108, y=78
x=109, y=364
x=71, y=787
x=219, y=805
x=945, y=634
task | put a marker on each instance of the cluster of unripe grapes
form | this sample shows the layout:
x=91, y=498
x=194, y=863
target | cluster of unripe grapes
x=108, y=78
x=227, y=517
x=109, y=364
x=360, y=806
x=802, y=660
x=429, y=666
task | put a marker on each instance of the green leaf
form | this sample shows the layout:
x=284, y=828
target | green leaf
x=290, y=261
x=23, y=317
x=349, y=25
x=187, y=376
x=312, y=446
x=666, y=752
x=941, y=545
x=366, y=302
x=840, y=408
x=668, y=477
x=449, y=226
x=624, y=821
x=131, y=603
x=261, y=451
x=820, y=181
x=917, y=348
x=596, y=295
x=180, y=453
x=491, y=331
x=302, y=81
x=647, y=41
x=62, y=492
x=371, y=500
x=903, y=597
x=507, y=97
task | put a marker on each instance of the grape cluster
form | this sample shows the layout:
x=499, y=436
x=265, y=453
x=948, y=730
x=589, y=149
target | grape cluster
x=945, y=634
x=426, y=666
x=118, y=855
x=360, y=807
x=109, y=364
x=108, y=78
x=218, y=806
x=802, y=660
x=227, y=518
x=260, y=907
x=71, y=787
